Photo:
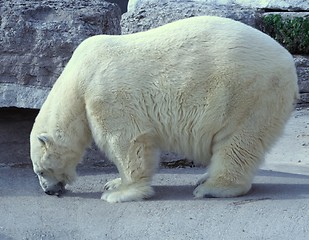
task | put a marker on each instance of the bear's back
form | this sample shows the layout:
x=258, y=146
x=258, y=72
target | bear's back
x=199, y=44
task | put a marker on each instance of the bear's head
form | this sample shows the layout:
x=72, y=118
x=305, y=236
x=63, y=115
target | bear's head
x=54, y=163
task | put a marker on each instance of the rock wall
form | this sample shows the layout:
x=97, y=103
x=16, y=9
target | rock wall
x=291, y=5
x=155, y=14
x=121, y=3
x=37, y=38
x=302, y=65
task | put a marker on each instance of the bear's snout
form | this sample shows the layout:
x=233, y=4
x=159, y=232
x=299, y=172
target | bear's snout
x=57, y=189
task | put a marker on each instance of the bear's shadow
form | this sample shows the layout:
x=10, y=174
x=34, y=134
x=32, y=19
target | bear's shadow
x=86, y=195
x=259, y=191
x=292, y=186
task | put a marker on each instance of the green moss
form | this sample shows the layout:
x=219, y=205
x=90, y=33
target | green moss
x=292, y=33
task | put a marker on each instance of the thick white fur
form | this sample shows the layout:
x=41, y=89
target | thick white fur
x=210, y=88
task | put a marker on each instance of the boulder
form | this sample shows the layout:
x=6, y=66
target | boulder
x=289, y=5
x=37, y=38
x=145, y=14
x=302, y=65
x=157, y=13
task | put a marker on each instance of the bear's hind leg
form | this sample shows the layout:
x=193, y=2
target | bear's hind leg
x=232, y=167
x=136, y=172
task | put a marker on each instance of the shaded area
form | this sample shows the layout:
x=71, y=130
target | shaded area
x=121, y=3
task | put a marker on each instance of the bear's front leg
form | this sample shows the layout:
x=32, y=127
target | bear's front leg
x=136, y=172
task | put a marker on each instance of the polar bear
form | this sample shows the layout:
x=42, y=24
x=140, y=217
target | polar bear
x=210, y=88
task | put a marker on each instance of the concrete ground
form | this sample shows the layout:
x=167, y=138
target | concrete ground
x=277, y=207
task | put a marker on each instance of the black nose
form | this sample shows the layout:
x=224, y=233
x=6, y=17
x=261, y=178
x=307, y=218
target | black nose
x=50, y=192
x=57, y=189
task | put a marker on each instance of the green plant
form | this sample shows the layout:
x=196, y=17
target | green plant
x=292, y=33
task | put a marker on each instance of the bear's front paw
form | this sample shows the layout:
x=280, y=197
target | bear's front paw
x=127, y=193
x=113, y=184
x=202, y=180
x=213, y=189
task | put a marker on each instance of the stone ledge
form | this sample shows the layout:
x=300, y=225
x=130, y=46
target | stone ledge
x=21, y=96
x=153, y=15
x=302, y=66
x=286, y=5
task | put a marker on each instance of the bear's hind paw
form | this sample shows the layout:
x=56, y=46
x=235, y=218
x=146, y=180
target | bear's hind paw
x=212, y=190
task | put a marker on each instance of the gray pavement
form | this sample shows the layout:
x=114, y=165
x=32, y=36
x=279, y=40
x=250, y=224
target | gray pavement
x=277, y=207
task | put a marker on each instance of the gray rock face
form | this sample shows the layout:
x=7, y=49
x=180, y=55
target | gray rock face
x=145, y=14
x=291, y=5
x=302, y=65
x=37, y=38
x=151, y=15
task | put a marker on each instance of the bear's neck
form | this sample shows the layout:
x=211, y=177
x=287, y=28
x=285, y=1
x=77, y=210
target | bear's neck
x=63, y=116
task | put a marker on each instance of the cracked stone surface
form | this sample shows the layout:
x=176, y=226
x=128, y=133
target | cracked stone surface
x=37, y=38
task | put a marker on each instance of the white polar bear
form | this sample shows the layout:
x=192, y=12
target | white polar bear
x=210, y=88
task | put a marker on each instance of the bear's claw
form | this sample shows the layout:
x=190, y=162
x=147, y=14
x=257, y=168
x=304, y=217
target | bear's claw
x=113, y=184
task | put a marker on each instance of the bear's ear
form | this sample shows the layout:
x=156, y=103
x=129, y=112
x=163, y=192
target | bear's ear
x=44, y=140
